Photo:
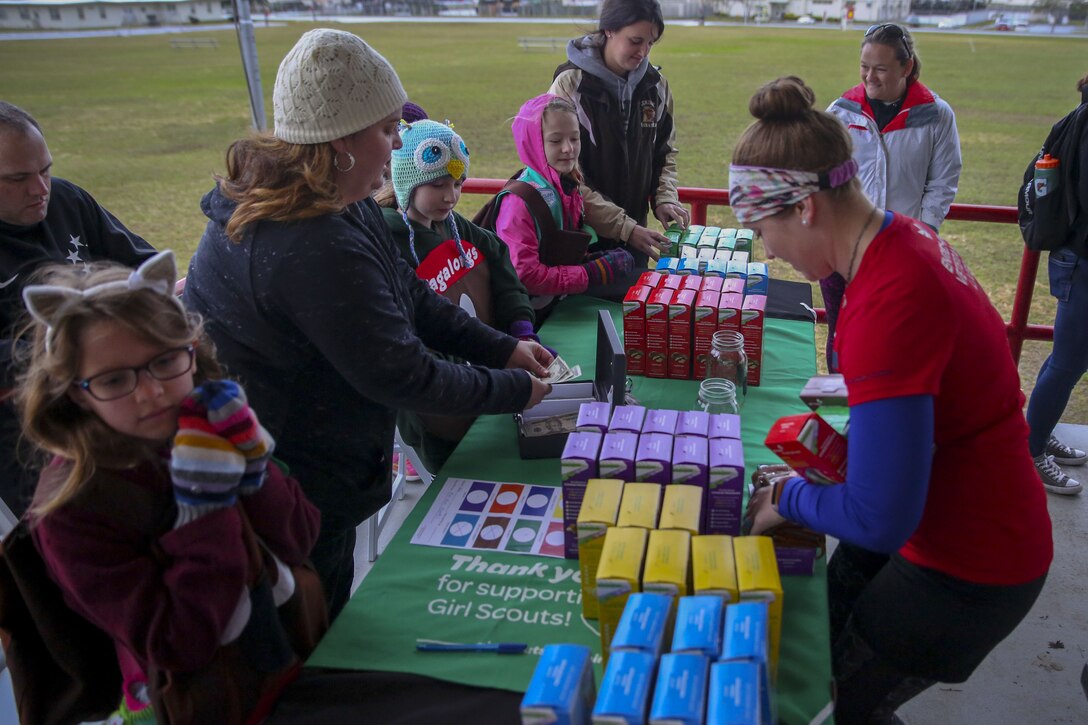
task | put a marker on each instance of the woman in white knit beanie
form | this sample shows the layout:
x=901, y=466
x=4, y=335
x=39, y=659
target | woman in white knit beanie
x=307, y=300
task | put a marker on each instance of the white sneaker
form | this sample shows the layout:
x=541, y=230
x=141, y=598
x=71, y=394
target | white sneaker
x=1054, y=479
x=1065, y=455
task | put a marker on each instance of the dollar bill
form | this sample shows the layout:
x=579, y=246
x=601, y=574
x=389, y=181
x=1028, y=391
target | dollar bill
x=549, y=426
x=560, y=372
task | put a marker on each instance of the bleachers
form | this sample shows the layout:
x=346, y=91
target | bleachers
x=552, y=44
x=194, y=43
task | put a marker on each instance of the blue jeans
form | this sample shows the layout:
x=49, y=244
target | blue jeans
x=1068, y=360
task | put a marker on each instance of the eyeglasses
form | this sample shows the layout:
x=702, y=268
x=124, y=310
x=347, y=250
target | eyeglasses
x=898, y=31
x=119, y=383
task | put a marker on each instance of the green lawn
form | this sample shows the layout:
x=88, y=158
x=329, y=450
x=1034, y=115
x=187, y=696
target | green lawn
x=144, y=126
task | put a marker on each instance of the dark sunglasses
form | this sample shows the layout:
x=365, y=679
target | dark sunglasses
x=894, y=30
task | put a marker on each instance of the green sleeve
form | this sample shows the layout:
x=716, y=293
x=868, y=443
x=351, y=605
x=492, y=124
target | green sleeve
x=509, y=299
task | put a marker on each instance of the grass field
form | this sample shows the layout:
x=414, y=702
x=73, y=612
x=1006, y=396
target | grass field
x=144, y=126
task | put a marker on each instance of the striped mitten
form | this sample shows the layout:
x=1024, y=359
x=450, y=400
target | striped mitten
x=205, y=467
x=229, y=415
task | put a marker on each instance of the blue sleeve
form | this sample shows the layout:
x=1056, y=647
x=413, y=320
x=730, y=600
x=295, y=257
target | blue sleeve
x=889, y=454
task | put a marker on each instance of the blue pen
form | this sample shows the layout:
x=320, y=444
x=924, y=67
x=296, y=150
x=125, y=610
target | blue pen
x=502, y=648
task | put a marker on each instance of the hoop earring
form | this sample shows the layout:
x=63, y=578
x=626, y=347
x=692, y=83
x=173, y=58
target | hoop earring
x=336, y=162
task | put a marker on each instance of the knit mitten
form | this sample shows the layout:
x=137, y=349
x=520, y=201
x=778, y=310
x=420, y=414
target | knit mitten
x=205, y=467
x=229, y=415
x=605, y=268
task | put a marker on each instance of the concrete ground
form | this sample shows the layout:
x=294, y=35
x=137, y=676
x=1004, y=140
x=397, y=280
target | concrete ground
x=1033, y=677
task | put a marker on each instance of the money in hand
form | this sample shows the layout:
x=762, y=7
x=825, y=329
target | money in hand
x=560, y=372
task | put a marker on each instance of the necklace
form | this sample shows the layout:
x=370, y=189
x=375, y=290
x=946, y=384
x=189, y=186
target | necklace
x=857, y=245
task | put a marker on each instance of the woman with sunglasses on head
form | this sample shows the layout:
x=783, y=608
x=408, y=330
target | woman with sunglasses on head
x=944, y=535
x=625, y=109
x=905, y=141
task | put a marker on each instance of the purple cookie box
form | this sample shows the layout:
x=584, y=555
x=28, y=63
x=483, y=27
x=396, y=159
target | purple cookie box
x=724, y=425
x=693, y=423
x=661, y=421
x=617, y=459
x=581, y=447
x=653, y=461
x=690, y=455
x=592, y=417
x=724, y=505
x=627, y=418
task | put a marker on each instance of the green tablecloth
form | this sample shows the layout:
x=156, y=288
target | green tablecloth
x=462, y=596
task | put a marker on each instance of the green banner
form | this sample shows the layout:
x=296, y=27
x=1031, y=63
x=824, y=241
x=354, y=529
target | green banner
x=490, y=596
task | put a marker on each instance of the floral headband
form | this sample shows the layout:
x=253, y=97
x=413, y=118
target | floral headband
x=757, y=192
x=47, y=302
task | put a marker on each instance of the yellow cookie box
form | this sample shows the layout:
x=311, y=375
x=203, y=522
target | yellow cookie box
x=758, y=580
x=619, y=574
x=600, y=507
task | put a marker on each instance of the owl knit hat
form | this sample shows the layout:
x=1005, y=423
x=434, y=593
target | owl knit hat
x=430, y=151
x=330, y=85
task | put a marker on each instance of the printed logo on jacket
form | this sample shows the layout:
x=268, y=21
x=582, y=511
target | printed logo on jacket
x=443, y=267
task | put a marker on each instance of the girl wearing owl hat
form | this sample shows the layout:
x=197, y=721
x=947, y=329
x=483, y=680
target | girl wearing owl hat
x=308, y=301
x=458, y=260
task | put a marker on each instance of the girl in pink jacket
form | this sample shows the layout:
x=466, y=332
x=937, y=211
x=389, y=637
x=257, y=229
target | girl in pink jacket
x=548, y=141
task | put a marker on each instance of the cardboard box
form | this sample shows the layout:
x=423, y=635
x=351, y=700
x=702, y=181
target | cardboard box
x=627, y=419
x=599, y=511
x=657, y=332
x=758, y=282
x=705, y=324
x=728, y=233
x=810, y=446
x=693, y=423
x=746, y=640
x=744, y=240
x=619, y=575
x=680, y=692
x=561, y=691
x=649, y=278
x=690, y=461
x=724, y=507
x=741, y=258
x=666, y=266
x=712, y=284
x=729, y=307
x=691, y=265
x=682, y=508
x=625, y=689
x=688, y=251
x=825, y=390
x=640, y=505
x=661, y=421
x=643, y=626
x=593, y=417
x=668, y=563
x=723, y=255
x=634, y=328
x=733, y=695
x=711, y=234
x=724, y=425
x=653, y=460
x=680, y=321
x=759, y=581
x=693, y=234
x=752, y=315
x=713, y=567
x=673, y=234
x=698, y=628
x=716, y=268
x=733, y=285
x=673, y=281
x=577, y=465
x=735, y=269
x=617, y=457
x=695, y=284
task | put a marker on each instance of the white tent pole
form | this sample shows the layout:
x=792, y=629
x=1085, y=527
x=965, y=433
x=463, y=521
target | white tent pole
x=247, y=43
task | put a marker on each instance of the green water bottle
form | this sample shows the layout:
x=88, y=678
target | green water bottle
x=1046, y=176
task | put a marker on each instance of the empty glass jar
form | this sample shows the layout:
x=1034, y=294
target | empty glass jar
x=717, y=395
x=728, y=361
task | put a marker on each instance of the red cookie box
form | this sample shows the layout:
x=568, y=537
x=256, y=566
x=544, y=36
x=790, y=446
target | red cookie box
x=809, y=445
x=705, y=325
x=729, y=306
x=650, y=278
x=657, y=331
x=680, y=318
x=752, y=314
x=634, y=328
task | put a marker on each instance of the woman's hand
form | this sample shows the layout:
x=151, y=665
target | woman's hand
x=540, y=390
x=670, y=212
x=761, y=512
x=648, y=242
x=531, y=356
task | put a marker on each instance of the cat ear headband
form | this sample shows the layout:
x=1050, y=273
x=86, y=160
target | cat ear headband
x=45, y=302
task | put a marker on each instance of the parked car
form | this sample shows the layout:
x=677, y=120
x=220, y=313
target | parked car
x=806, y=20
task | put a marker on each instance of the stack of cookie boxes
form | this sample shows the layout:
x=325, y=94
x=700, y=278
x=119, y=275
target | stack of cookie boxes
x=671, y=313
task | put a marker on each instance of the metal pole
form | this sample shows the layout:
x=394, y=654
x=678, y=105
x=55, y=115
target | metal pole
x=247, y=43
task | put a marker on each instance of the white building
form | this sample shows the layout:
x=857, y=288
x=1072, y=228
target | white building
x=865, y=11
x=83, y=14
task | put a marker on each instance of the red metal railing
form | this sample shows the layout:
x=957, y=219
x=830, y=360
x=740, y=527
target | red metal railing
x=1017, y=327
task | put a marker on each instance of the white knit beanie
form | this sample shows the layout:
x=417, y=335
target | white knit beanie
x=330, y=85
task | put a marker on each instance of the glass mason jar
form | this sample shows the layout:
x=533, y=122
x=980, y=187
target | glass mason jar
x=717, y=395
x=728, y=361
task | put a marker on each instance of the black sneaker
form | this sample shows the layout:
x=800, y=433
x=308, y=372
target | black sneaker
x=1065, y=455
x=1054, y=479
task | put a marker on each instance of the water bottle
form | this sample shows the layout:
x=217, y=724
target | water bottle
x=1046, y=176
x=728, y=360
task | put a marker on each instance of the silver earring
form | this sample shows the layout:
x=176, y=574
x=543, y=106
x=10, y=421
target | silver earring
x=336, y=162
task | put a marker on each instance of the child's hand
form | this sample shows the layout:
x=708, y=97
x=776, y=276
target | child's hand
x=670, y=212
x=530, y=356
x=228, y=415
x=648, y=242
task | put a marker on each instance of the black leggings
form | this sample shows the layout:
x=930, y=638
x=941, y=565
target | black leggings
x=896, y=628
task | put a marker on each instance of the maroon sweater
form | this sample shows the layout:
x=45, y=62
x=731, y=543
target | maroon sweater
x=167, y=602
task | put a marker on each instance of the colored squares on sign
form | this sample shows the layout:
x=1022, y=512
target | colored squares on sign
x=460, y=530
x=553, y=540
x=477, y=497
x=523, y=536
x=506, y=500
x=491, y=533
x=537, y=502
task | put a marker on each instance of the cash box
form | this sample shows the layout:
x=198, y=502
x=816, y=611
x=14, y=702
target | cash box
x=542, y=430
